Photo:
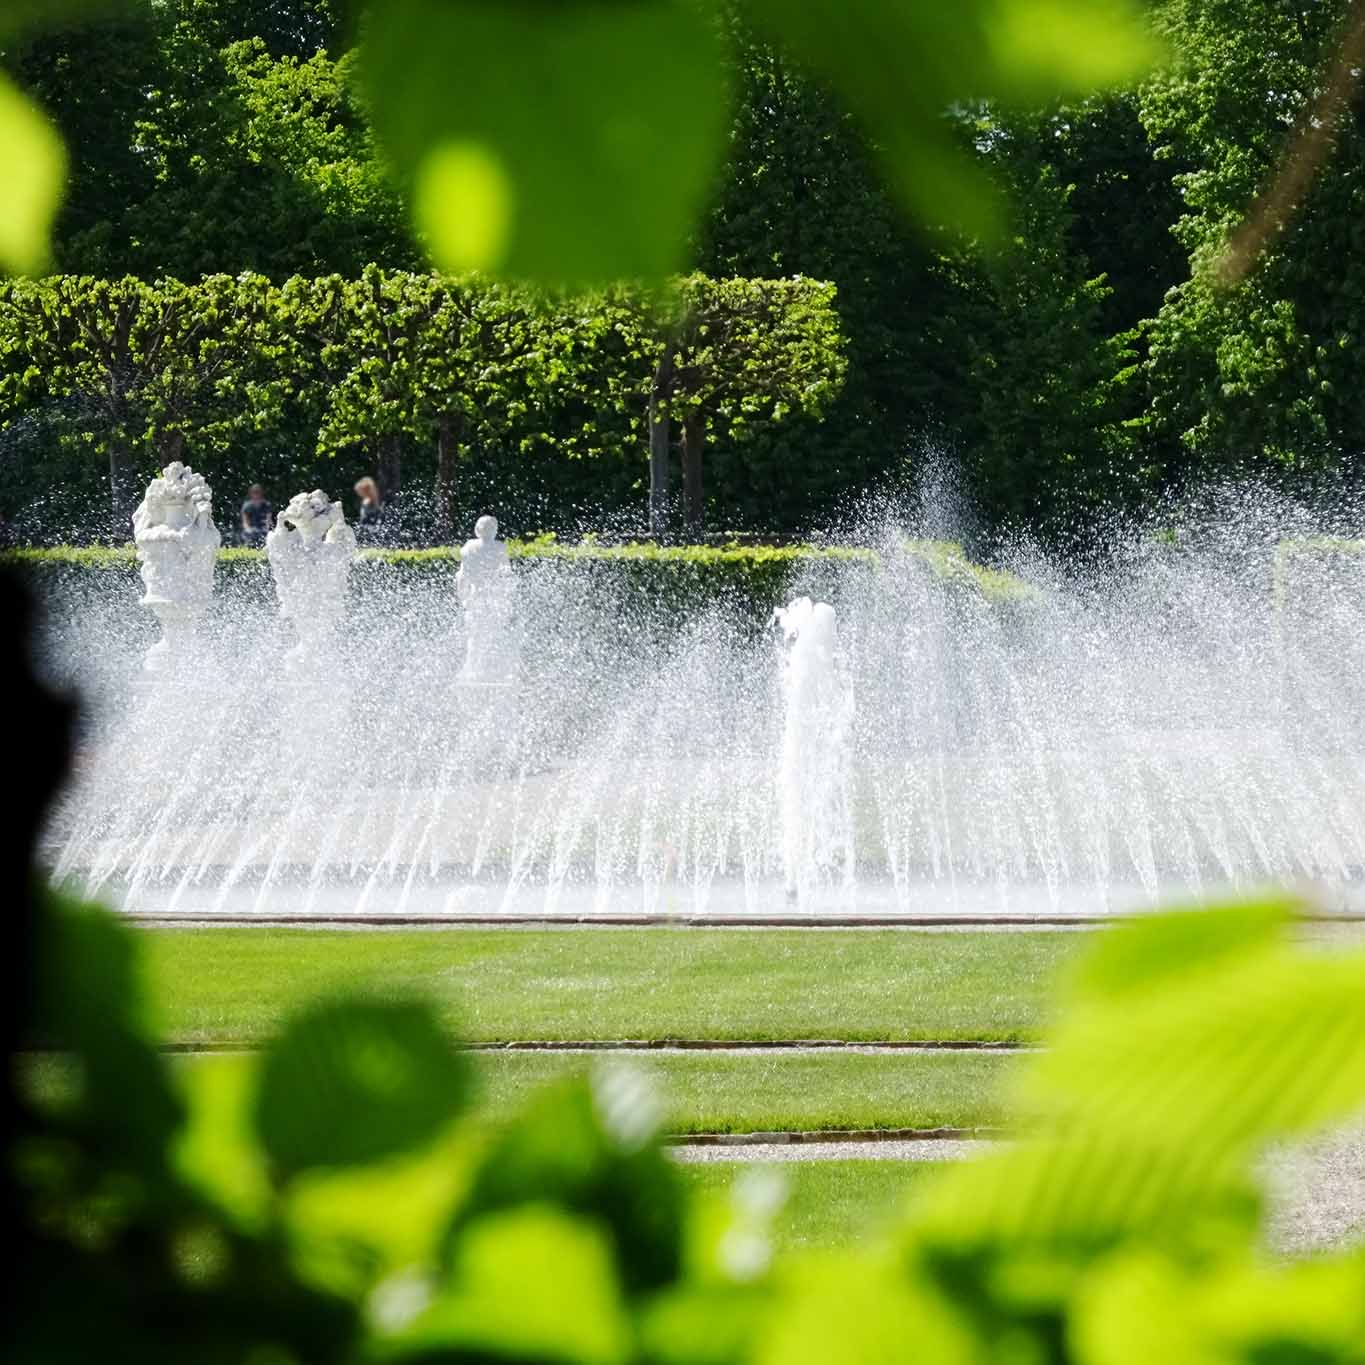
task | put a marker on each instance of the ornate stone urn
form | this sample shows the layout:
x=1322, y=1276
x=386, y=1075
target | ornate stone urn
x=176, y=546
x=310, y=552
x=484, y=586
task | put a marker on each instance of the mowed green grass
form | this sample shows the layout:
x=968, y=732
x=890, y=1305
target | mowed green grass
x=706, y=1092
x=233, y=985
x=828, y=1203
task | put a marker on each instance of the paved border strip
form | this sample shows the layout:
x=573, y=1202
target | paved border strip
x=190, y=920
x=720, y=1045
x=197, y=921
x=912, y=1150
x=754, y=1045
x=871, y=1136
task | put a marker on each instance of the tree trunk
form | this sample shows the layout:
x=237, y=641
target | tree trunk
x=660, y=443
x=172, y=447
x=446, y=450
x=123, y=497
x=390, y=466
x=694, y=445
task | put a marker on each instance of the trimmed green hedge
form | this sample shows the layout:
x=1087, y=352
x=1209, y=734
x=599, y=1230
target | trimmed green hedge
x=1325, y=557
x=760, y=573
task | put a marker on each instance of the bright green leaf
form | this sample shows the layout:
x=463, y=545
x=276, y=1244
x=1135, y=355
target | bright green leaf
x=1154, y=953
x=572, y=1147
x=567, y=142
x=463, y=205
x=353, y=1226
x=352, y=1081
x=904, y=67
x=32, y=171
x=217, y=1152
x=858, y=1310
x=529, y=1284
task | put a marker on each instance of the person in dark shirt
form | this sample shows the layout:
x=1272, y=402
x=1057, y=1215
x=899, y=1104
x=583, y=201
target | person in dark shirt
x=377, y=523
x=258, y=517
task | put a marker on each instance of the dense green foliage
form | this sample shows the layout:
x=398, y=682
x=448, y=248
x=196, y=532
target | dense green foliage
x=1262, y=372
x=468, y=383
x=1090, y=356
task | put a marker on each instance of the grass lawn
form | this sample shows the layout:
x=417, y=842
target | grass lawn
x=235, y=985
x=704, y=1092
x=829, y=1203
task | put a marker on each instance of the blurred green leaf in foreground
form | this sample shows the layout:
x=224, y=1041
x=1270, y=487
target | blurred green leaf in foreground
x=578, y=141
x=332, y=1198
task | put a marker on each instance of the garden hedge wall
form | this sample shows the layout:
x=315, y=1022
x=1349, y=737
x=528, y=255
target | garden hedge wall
x=683, y=576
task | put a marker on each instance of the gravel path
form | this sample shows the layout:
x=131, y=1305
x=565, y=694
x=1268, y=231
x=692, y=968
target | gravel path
x=1316, y=1190
x=1317, y=1193
x=915, y=1149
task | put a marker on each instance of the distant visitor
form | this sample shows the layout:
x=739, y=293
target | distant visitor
x=258, y=517
x=377, y=523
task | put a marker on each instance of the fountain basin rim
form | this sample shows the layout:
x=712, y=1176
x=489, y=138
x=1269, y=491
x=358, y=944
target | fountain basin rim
x=266, y=920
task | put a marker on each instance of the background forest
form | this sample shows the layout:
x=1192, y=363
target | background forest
x=1088, y=361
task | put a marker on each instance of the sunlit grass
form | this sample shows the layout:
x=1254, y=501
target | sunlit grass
x=828, y=1203
x=706, y=1092
x=236, y=985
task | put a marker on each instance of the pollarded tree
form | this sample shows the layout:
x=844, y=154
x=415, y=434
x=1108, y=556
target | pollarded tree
x=371, y=334
x=462, y=362
x=489, y=351
x=740, y=354
x=421, y=358
x=157, y=371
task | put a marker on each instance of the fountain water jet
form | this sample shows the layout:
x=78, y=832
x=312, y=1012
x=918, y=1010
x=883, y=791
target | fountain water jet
x=812, y=778
x=1188, y=722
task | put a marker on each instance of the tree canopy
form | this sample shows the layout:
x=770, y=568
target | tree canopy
x=1080, y=347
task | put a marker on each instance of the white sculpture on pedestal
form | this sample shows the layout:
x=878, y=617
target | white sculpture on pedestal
x=177, y=543
x=484, y=586
x=310, y=552
x=812, y=776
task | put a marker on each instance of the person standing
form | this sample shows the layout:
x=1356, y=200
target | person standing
x=377, y=523
x=258, y=517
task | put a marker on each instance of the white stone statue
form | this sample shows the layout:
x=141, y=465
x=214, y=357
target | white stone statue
x=484, y=586
x=177, y=543
x=310, y=552
x=812, y=777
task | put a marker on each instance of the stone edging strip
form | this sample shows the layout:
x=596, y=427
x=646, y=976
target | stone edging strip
x=809, y=1135
x=681, y=1045
x=190, y=920
x=753, y=1045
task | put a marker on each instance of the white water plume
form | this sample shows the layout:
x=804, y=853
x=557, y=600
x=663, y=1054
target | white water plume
x=1186, y=721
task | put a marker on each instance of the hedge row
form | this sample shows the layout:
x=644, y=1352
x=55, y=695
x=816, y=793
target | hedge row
x=760, y=574
x=443, y=387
